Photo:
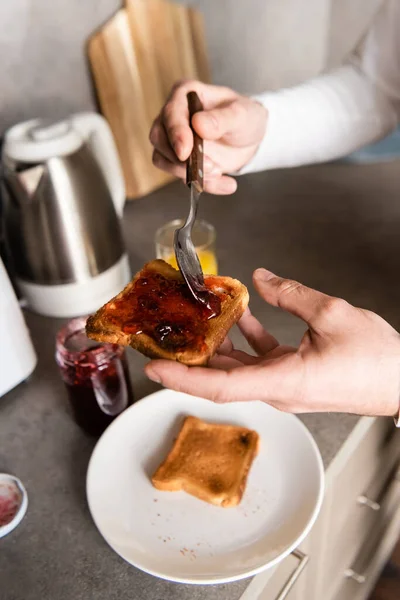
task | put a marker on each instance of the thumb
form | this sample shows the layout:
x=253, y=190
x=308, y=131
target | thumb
x=295, y=298
x=221, y=122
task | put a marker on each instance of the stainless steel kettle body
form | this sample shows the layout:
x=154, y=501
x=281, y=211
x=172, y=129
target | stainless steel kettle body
x=63, y=197
x=60, y=220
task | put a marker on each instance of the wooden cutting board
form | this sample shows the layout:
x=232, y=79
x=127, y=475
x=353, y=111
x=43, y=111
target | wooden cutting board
x=136, y=57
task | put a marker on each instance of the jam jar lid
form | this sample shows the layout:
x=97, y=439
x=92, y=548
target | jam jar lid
x=13, y=503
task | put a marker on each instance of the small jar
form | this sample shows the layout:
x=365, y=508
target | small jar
x=96, y=377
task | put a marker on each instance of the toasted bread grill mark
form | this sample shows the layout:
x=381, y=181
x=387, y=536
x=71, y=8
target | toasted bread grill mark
x=100, y=327
x=210, y=461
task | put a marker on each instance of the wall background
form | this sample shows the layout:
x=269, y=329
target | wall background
x=254, y=45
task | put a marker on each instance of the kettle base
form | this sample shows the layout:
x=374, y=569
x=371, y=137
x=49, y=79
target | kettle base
x=76, y=299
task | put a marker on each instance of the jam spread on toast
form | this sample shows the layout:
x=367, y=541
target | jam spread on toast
x=165, y=310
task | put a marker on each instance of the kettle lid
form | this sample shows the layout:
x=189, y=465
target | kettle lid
x=38, y=140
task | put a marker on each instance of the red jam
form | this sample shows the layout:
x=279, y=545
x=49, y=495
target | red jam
x=165, y=310
x=10, y=500
x=93, y=411
x=96, y=376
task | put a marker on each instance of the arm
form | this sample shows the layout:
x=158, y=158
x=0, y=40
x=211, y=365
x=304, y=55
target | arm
x=341, y=111
x=317, y=121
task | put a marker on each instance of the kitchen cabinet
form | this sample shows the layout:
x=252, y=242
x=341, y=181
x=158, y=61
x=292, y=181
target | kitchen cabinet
x=357, y=527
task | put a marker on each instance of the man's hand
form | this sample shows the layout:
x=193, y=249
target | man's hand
x=232, y=126
x=348, y=360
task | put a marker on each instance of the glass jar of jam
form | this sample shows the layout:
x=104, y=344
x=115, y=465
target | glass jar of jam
x=96, y=377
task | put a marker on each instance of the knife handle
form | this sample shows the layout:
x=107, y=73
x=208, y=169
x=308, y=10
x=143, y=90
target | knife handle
x=195, y=162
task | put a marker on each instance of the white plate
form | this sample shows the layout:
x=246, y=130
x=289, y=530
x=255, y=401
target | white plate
x=177, y=537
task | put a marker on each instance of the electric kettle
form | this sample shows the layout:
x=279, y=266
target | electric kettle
x=64, y=196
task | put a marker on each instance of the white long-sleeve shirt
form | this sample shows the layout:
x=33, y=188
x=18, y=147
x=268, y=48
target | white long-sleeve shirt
x=341, y=111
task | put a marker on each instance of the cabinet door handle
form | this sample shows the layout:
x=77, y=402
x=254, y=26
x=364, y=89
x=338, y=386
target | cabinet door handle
x=303, y=560
x=365, y=501
x=372, y=551
x=358, y=577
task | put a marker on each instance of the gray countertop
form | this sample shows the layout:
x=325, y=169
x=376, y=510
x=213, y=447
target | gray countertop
x=332, y=227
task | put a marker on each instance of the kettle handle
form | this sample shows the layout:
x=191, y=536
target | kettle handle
x=97, y=134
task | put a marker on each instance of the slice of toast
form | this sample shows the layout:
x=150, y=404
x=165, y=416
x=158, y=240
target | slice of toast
x=184, y=334
x=210, y=461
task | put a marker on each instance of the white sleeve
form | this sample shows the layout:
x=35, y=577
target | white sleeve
x=337, y=113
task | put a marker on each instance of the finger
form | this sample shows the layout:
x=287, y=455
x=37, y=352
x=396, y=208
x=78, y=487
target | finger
x=226, y=347
x=213, y=183
x=222, y=186
x=210, y=95
x=159, y=139
x=280, y=351
x=175, y=114
x=224, y=362
x=301, y=301
x=175, y=169
x=175, y=119
x=215, y=384
x=244, y=358
x=258, y=338
x=239, y=121
x=221, y=122
x=239, y=384
x=178, y=169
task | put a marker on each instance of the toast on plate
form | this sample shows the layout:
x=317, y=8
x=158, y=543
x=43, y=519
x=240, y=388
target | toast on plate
x=157, y=315
x=210, y=461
